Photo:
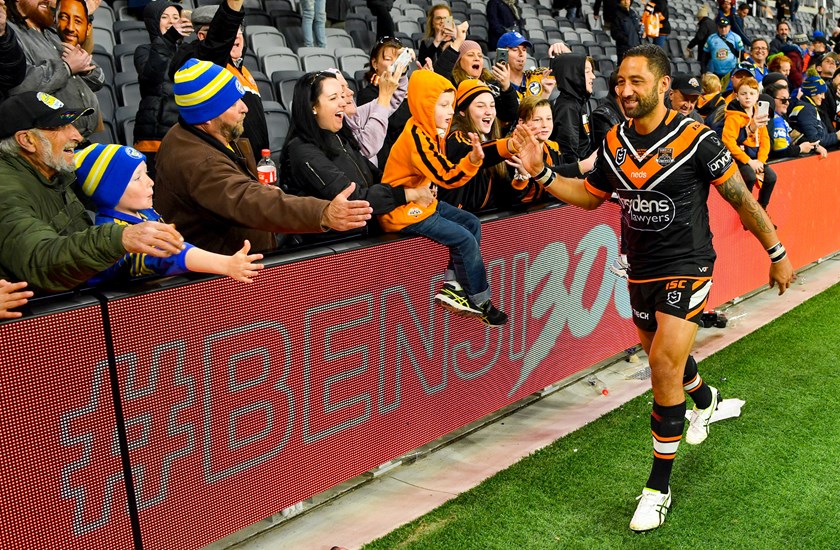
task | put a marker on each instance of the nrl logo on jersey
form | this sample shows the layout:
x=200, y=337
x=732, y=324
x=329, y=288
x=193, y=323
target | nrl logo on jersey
x=620, y=156
x=665, y=156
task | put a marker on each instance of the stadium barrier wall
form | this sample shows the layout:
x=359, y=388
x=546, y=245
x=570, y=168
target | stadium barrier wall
x=172, y=418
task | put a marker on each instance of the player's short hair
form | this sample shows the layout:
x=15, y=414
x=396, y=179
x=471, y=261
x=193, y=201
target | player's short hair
x=657, y=59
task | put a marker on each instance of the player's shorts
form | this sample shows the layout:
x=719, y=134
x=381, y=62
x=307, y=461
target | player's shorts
x=682, y=297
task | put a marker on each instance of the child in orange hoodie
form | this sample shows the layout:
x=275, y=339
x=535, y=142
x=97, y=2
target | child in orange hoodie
x=418, y=159
x=750, y=147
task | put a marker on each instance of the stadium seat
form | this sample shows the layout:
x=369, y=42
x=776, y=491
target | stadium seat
x=280, y=61
x=125, y=124
x=284, y=86
x=124, y=57
x=131, y=32
x=107, y=102
x=277, y=5
x=104, y=60
x=351, y=60
x=318, y=61
x=294, y=36
x=128, y=89
x=106, y=135
x=336, y=41
x=264, y=85
x=257, y=19
x=104, y=38
x=278, y=121
x=409, y=27
x=267, y=40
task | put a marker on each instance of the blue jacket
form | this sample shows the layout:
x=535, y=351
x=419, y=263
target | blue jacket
x=803, y=117
x=723, y=59
x=132, y=265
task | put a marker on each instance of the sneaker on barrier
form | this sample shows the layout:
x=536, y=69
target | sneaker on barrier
x=619, y=266
x=453, y=298
x=698, y=420
x=491, y=315
x=651, y=511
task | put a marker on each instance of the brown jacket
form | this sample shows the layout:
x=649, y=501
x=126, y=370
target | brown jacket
x=212, y=195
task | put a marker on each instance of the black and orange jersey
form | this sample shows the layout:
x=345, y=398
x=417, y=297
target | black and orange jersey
x=662, y=181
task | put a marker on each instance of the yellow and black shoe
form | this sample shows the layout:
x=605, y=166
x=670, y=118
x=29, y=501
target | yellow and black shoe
x=453, y=298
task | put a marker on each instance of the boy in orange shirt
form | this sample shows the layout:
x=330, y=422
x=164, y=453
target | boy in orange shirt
x=748, y=142
x=418, y=159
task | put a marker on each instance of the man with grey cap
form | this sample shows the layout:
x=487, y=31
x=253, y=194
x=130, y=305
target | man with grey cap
x=220, y=41
x=685, y=89
x=46, y=237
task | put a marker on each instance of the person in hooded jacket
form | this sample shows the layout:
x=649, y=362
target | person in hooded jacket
x=575, y=74
x=221, y=41
x=321, y=157
x=705, y=28
x=417, y=158
x=158, y=111
x=607, y=114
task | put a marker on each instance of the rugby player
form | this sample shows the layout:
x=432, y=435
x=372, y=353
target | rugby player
x=661, y=164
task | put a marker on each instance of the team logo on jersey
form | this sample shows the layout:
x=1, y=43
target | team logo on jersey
x=620, y=156
x=665, y=156
x=674, y=297
x=535, y=88
x=641, y=153
x=646, y=210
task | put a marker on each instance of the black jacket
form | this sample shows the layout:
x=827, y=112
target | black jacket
x=12, y=62
x=625, y=30
x=478, y=193
x=705, y=28
x=571, y=108
x=158, y=110
x=777, y=43
x=604, y=117
x=216, y=49
x=500, y=19
x=308, y=171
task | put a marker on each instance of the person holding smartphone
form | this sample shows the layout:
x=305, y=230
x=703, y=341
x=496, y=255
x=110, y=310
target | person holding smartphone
x=750, y=149
x=437, y=33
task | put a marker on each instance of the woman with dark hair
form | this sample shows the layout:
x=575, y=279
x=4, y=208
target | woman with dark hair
x=321, y=157
x=437, y=34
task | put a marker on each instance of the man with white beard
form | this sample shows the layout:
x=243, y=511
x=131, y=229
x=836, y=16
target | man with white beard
x=46, y=237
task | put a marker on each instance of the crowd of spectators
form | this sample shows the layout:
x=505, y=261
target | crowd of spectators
x=202, y=123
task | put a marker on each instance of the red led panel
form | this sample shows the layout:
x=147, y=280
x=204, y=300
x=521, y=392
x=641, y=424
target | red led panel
x=62, y=480
x=241, y=400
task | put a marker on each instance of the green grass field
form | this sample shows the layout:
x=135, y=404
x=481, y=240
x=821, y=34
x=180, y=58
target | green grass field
x=767, y=480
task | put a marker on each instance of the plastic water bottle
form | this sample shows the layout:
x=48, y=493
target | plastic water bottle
x=266, y=169
x=597, y=385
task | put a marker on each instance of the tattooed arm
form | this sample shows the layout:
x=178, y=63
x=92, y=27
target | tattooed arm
x=758, y=222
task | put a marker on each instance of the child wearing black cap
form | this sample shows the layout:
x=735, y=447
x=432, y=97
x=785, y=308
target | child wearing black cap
x=114, y=177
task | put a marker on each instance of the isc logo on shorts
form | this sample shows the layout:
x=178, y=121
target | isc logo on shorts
x=646, y=210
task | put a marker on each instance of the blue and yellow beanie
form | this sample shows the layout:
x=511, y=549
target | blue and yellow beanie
x=204, y=90
x=813, y=85
x=104, y=171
